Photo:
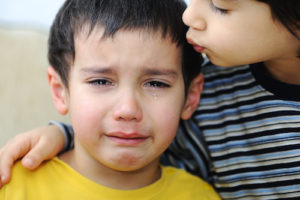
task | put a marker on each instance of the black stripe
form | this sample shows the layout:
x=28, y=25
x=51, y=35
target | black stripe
x=259, y=168
x=226, y=91
x=229, y=73
x=275, y=193
x=248, y=119
x=259, y=185
x=257, y=135
x=290, y=198
x=257, y=152
x=202, y=110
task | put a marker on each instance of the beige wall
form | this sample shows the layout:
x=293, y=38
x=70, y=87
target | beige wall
x=25, y=100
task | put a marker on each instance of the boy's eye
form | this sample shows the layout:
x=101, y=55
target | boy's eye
x=217, y=9
x=157, y=84
x=101, y=82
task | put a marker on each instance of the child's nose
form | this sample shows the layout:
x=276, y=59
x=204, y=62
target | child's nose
x=128, y=108
x=192, y=17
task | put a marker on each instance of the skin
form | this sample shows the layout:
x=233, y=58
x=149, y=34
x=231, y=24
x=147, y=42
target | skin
x=125, y=98
x=239, y=32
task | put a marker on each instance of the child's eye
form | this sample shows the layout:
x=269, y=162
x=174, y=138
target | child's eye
x=100, y=82
x=217, y=9
x=157, y=84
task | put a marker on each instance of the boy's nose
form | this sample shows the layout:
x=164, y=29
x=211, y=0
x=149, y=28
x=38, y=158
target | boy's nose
x=192, y=16
x=128, y=108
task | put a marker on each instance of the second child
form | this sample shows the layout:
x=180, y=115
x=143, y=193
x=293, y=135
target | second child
x=126, y=77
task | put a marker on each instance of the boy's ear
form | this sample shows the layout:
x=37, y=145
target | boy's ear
x=193, y=97
x=58, y=90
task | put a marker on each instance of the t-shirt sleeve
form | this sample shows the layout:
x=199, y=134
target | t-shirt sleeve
x=68, y=132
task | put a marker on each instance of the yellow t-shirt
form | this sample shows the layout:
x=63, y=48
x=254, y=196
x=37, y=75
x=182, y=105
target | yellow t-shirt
x=56, y=180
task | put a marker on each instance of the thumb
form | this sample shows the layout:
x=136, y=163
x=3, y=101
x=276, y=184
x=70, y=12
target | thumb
x=39, y=153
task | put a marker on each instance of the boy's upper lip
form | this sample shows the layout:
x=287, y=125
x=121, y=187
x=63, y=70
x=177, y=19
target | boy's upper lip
x=190, y=41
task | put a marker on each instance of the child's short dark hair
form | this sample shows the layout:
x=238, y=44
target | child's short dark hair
x=115, y=15
x=287, y=12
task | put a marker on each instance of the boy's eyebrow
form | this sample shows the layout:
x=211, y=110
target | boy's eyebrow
x=167, y=72
x=96, y=70
x=147, y=71
x=231, y=1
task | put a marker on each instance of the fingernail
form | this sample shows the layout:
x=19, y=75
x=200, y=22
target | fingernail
x=28, y=162
x=3, y=178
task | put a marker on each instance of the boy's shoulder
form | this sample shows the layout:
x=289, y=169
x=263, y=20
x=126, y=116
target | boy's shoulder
x=173, y=173
x=24, y=181
x=21, y=174
x=194, y=187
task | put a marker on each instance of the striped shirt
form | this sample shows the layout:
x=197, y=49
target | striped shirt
x=245, y=136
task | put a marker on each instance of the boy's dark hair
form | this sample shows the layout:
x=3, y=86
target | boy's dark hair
x=287, y=12
x=115, y=15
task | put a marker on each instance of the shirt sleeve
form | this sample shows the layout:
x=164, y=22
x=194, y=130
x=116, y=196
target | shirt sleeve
x=189, y=151
x=68, y=132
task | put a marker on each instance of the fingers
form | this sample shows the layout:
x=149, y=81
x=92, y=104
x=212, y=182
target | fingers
x=9, y=153
x=38, y=145
x=49, y=144
x=1, y=184
x=50, y=141
x=40, y=152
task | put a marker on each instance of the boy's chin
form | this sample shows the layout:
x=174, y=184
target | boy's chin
x=131, y=163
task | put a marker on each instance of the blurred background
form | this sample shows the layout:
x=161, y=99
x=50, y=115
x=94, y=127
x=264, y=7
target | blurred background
x=25, y=100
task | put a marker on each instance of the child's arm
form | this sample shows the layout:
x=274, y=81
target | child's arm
x=189, y=151
x=38, y=145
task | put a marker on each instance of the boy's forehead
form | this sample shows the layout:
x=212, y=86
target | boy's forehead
x=123, y=39
x=154, y=41
x=98, y=32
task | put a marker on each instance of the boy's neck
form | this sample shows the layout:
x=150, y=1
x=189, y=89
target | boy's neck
x=286, y=70
x=111, y=178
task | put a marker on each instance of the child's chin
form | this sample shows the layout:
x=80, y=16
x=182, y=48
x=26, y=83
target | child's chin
x=127, y=162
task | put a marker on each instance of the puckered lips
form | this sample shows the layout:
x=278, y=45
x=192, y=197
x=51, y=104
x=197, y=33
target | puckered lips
x=196, y=47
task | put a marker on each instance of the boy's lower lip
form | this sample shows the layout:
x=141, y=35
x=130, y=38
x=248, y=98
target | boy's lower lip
x=127, y=141
x=199, y=49
x=196, y=47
